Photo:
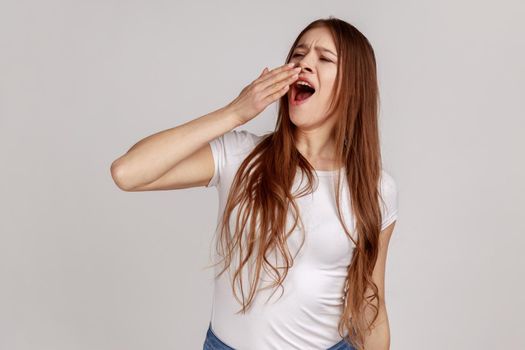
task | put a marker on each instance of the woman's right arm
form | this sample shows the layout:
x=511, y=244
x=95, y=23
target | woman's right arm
x=150, y=163
x=181, y=157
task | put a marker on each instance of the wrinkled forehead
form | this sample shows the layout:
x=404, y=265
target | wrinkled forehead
x=317, y=38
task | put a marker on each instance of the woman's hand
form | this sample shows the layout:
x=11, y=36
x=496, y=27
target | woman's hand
x=261, y=92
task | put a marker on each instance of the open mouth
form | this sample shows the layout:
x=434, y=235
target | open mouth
x=301, y=92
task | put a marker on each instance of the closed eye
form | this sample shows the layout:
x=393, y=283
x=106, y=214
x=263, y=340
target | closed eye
x=322, y=58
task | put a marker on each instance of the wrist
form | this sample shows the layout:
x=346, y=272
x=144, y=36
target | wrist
x=232, y=115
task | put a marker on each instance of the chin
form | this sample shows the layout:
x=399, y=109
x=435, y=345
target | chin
x=296, y=120
x=300, y=119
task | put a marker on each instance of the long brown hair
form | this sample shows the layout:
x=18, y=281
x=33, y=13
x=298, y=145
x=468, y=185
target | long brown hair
x=261, y=189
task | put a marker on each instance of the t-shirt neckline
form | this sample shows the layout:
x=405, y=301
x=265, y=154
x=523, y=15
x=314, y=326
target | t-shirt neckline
x=327, y=172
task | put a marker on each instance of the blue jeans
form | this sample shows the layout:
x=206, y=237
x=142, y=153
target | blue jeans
x=212, y=342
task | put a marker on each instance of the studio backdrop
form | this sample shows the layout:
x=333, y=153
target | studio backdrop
x=87, y=266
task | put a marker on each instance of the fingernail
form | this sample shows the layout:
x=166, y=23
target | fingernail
x=291, y=64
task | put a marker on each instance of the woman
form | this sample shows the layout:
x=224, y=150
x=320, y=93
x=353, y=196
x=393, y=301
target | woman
x=273, y=233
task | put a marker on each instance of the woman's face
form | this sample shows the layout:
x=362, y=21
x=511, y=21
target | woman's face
x=316, y=54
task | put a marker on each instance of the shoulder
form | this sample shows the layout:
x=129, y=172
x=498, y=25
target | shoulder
x=388, y=198
x=387, y=183
x=228, y=151
x=243, y=138
x=236, y=141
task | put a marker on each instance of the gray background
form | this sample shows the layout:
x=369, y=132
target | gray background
x=84, y=265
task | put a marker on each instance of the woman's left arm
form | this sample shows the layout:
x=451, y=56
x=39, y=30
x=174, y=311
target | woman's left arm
x=379, y=338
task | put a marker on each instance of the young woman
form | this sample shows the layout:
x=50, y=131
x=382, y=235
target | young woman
x=288, y=198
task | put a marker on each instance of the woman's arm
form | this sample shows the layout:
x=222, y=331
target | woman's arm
x=379, y=338
x=153, y=162
x=152, y=157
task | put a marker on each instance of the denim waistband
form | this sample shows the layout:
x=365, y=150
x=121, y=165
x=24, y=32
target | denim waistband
x=213, y=342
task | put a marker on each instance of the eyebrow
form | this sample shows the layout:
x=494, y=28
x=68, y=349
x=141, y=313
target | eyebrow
x=319, y=48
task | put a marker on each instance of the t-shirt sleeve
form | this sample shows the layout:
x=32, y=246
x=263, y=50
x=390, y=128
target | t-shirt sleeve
x=226, y=150
x=389, y=202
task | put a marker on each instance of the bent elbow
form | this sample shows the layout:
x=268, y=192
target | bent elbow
x=119, y=177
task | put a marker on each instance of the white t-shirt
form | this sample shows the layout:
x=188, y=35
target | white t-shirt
x=307, y=313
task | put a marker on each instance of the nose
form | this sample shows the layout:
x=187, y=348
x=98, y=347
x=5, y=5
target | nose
x=304, y=66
